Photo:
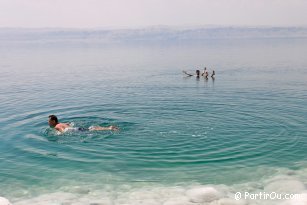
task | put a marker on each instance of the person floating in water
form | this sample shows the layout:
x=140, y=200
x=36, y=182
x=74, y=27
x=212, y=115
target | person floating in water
x=63, y=127
x=189, y=74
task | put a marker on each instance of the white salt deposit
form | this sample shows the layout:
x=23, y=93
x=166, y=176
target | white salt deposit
x=228, y=201
x=203, y=194
x=285, y=184
x=149, y=194
x=300, y=200
x=4, y=201
x=178, y=201
x=49, y=199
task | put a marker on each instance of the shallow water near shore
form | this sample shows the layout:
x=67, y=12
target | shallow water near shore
x=245, y=130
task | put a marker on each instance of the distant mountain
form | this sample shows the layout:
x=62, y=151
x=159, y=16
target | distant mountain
x=154, y=34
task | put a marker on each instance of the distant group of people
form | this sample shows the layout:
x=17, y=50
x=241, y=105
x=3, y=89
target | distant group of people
x=205, y=73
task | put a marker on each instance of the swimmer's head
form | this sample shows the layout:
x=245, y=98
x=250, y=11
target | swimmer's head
x=53, y=120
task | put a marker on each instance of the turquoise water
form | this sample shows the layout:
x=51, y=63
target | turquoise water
x=247, y=126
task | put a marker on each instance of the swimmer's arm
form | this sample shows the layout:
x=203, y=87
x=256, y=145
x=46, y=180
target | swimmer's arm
x=185, y=72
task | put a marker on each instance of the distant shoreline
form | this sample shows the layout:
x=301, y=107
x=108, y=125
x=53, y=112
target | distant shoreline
x=151, y=34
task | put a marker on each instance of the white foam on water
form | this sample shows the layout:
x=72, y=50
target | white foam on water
x=286, y=181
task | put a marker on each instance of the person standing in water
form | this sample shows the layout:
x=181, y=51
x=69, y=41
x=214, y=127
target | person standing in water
x=63, y=127
x=205, y=73
x=197, y=73
x=213, y=74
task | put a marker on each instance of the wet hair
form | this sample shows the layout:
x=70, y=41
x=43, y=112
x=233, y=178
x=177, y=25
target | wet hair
x=54, y=118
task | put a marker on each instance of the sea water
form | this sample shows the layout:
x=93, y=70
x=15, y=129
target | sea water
x=182, y=140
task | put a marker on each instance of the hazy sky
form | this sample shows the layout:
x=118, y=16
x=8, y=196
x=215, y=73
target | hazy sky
x=136, y=13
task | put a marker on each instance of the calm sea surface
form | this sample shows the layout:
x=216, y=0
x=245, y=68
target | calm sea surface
x=243, y=128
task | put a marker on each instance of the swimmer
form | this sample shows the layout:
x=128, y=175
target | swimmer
x=213, y=74
x=63, y=127
x=188, y=74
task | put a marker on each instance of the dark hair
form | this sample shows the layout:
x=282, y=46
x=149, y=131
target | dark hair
x=54, y=118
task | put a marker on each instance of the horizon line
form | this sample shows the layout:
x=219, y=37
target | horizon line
x=159, y=26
